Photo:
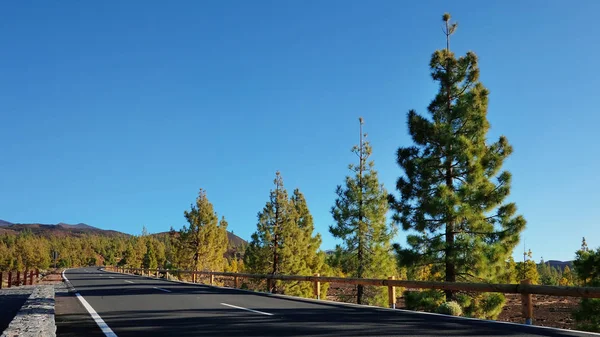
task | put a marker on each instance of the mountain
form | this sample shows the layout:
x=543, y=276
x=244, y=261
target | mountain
x=560, y=264
x=4, y=223
x=60, y=229
x=236, y=244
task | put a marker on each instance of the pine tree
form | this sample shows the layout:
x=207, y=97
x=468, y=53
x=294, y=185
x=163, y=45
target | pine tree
x=150, y=261
x=567, y=277
x=584, y=246
x=204, y=241
x=130, y=256
x=527, y=270
x=301, y=252
x=360, y=221
x=283, y=242
x=447, y=194
x=587, y=267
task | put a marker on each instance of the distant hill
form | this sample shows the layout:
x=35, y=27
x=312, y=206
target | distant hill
x=560, y=264
x=60, y=229
x=63, y=229
x=4, y=223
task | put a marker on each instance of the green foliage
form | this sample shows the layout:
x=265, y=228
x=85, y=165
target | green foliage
x=150, y=261
x=284, y=243
x=548, y=275
x=567, y=277
x=204, y=242
x=587, y=266
x=450, y=308
x=483, y=305
x=508, y=274
x=427, y=300
x=452, y=193
x=528, y=271
x=587, y=315
x=360, y=221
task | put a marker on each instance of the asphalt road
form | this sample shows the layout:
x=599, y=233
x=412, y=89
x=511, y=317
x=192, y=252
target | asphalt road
x=135, y=306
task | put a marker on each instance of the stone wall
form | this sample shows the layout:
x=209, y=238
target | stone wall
x=36, y=317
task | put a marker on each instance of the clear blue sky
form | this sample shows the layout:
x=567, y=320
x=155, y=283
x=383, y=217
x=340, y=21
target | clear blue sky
x=116, y=113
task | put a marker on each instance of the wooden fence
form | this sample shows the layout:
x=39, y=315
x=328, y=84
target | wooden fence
x=525, y=288
x=17, y=278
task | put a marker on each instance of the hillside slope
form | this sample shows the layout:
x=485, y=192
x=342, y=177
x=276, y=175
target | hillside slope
x=65, y=230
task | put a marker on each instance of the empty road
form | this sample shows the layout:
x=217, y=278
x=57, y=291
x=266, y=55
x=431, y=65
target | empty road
x=132, y=306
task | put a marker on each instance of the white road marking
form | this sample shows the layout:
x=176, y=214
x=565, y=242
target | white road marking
x=242, y=308
x=110, y=277
x=99, y=321
x=128, y=281
x=161, y=289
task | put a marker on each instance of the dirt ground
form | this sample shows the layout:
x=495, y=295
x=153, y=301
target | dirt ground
x=548, y=311
x=54, y=276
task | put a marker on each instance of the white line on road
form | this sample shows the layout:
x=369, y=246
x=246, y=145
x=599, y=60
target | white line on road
x=242, y=308
x=110, y=277
x=128, y=281
x=161, y=289
x=101, y=324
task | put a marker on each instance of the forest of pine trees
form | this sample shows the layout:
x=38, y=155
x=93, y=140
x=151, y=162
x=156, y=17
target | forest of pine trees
x=451, y=201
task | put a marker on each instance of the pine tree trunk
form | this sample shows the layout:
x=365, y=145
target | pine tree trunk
x=276, y=238
x=450, y=267
x=449, y=251
x=360, y=287
x=275, y=262
x=360, y=254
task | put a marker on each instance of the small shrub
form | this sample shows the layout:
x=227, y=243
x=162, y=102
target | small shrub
x=485, y=305
x=450, y=308
x=428, y=300
x=587, y=315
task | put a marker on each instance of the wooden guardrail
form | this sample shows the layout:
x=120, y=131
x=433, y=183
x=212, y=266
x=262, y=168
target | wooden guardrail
x=525, y=288
x=17, y=278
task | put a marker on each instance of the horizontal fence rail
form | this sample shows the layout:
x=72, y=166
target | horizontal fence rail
x=524, y=288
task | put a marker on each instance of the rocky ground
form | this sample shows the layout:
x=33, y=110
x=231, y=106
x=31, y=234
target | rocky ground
x=547, y=310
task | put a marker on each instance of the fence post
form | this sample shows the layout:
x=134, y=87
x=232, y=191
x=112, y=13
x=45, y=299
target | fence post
x=167, y=274
x=236, y=282
x=527, y=305
x=212, y=278
x=9, y=278
x=25, y=277
x=269, y=282
x=31, y=277
x=317, y=287
x=37, y=273
x=392, y=294
x=18, y=278
x=1, y=279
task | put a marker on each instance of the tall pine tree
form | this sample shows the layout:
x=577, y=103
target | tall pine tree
x=360, y=221
x=452, y=192
x=204, y=241
x=283, y=242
